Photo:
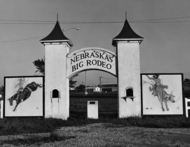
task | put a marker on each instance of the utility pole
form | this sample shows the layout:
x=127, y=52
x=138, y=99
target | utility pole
x=85, y=85
x=100, y=83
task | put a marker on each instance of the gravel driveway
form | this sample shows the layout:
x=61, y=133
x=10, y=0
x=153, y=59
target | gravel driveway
x=105, y=135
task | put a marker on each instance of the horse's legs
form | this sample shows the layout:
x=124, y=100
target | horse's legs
x=161, y=102
x=16, y=106
x=162, y=106
x=9, y=99
x=166, y=106
x=17, y=102
x=39, y=85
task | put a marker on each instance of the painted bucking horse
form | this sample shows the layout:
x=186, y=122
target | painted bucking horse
x=21, y=96
x=158, y=89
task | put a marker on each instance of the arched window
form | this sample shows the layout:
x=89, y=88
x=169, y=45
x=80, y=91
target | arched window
x=55, y=93
x=129, y=92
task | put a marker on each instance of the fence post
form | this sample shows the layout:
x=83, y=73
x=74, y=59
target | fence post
x=186, y=106
x=1, y=108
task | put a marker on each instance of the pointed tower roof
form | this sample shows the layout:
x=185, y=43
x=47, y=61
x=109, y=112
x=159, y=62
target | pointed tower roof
x=56, y=35
x=126, y=33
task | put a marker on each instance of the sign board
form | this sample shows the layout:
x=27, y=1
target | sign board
x=91, y=58
x=162, y=94
x=24, y=96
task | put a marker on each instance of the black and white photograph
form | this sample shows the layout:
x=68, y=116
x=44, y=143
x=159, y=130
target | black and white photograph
x=95, y=73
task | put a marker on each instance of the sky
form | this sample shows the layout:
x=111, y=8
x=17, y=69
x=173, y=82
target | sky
x=164, y=24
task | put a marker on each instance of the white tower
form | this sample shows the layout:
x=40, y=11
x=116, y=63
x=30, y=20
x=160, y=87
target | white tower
x=57, y=47
x=128, y=71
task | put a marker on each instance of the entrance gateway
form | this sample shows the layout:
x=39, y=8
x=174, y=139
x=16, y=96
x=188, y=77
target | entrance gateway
x=61, y=65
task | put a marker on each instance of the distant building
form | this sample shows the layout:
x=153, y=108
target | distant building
x=97, y=89
x=71, y=88
x=90, y=88
x=103, y=88
x=93, y=89
x=109, y=87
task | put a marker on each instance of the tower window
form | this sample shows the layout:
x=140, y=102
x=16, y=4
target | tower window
x=129, y=92
x=55, y=93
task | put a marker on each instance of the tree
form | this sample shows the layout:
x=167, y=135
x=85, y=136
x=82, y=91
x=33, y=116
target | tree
x=187, y=80
x=80, y=88
x=71, y=82
x=40, y=66
x=2, y=92
x=2, y=89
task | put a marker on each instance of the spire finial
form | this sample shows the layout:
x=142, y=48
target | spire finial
x=125, y=14
x=57, y=17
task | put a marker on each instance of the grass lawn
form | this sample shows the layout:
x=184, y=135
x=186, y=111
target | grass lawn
x=10, y=126
x=132, y=131
x=104, y=135
x=136, y=131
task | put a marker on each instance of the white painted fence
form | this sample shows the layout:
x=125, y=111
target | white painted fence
x=1, y=105
x=186, y=106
